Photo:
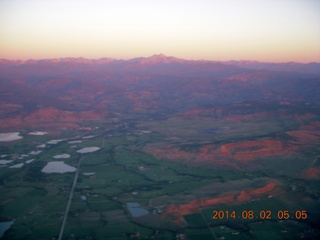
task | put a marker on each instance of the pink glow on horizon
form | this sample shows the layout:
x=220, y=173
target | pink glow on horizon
x=271, y=31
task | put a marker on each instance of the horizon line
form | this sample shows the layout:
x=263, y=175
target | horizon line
x=153, y=55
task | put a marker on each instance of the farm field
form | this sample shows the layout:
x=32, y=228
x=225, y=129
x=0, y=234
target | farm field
x=185, y=178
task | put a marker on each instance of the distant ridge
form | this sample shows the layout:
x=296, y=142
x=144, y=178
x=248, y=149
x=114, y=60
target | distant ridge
x=313, y=67
x=71, y=90
x=161, y=59
x=155, y=57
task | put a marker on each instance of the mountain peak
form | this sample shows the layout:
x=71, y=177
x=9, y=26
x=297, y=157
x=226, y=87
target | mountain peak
x=160, y=58
x=161, y=55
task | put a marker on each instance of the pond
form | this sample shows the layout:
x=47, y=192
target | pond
x=55, y=141
x=88, y=149
x=30, y=160
x=58, y=167
x=38, y=133
x=7, y=137
x=18, y=165
x=136, y=210
x=35, y=152
x=4, y=226
x=2, y=161
x=89, y=173
x=64, y=155
x=76, y=141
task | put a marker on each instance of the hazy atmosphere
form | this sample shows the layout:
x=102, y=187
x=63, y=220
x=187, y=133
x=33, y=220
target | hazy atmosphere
x=273, y=30
x=171, y=120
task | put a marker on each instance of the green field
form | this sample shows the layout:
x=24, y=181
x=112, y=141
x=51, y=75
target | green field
x=122, y=172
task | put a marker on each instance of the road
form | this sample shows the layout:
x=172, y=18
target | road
x=70, y=198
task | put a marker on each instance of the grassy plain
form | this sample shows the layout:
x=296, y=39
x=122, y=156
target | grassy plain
x=122, y=171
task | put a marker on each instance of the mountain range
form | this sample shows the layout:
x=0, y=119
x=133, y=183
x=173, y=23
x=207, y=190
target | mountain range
x=68, y=91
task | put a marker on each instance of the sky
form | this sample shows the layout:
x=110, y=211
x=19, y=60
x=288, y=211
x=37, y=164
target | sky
x=262, y=30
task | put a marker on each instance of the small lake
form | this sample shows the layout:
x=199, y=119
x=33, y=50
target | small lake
x=88, y=149
x=4, y=226
x=35, y=152
x=64, y=155
x=89, y=173
x=136, y=210
x=18, y=165
x=87, y=137
x=38, y=133
x=5, y=161
x=58, y=167
x=7, y=137
x=30, y=161
x=76, y=141
x=56, y=141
